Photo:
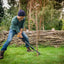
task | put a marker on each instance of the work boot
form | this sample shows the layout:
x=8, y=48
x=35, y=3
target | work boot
x=28, y=49
x=1, y=54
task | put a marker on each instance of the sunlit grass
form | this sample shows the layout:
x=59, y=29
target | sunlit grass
x=19, y=55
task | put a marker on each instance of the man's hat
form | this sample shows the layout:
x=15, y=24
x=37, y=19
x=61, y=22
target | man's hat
x=21, y=13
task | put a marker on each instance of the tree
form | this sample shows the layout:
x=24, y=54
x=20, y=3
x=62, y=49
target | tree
x=19, y=4
x=11, y=2
x=1, y=11
x=13, y=9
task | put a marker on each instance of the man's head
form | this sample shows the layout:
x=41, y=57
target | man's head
x=21, y=15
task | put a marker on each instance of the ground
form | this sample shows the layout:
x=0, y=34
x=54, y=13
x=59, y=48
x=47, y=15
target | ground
x=19, y=55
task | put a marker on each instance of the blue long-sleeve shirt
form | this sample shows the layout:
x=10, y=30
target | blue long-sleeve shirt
x=16, y=25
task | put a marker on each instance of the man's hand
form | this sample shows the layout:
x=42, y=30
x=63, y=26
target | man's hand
x=19, y=35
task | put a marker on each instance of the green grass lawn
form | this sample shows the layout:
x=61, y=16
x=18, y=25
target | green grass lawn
x=19, y=55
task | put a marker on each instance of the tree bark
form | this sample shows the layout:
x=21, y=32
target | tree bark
x=19, y=4
x=43, y=13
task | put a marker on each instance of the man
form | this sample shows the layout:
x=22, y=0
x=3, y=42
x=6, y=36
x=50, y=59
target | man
x=17, y=25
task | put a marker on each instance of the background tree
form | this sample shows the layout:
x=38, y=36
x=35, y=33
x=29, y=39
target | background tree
x=48, y=13
x=1, y=10
x=13, y=9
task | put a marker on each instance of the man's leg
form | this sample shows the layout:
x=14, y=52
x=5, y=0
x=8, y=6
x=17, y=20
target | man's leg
x=26, y=39
x=10, y=36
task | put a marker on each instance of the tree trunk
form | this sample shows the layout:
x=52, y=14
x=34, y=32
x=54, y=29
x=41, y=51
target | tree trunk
x=43, y=22
x=43, y=13
x=36, y=14
x=37, y=32
x=40, y=23
x=29, y=15
x=19, y=4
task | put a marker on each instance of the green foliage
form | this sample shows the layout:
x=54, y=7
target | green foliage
x=11, y=2
x=13, y=11
x=1, y=11
x=26, y=24
x=62, y=24
x=50, y=16
x=6, y=21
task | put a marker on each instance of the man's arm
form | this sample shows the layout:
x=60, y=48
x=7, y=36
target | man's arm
x=16, y=26
x=21, y=30
x=20, y=33
x=22, y=26
x=18, y=30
